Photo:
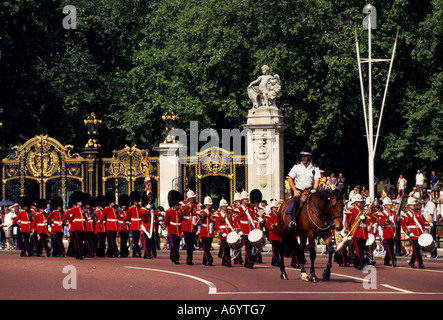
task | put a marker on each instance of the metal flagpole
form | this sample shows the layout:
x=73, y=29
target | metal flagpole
x=370, y=22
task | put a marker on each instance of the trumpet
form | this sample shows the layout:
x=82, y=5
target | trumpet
x=354, y=228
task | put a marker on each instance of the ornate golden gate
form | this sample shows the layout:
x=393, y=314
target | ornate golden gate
x=215, y=172
x=43, y=168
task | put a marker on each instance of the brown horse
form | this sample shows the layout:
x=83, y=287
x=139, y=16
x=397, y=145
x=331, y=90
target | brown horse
x=320, y=212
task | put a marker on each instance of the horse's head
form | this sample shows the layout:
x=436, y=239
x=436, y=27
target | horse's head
x=336, y=205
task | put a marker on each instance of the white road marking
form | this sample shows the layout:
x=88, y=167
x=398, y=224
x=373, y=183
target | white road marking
x=212, y=287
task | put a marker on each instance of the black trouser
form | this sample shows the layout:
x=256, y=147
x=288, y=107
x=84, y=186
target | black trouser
x=58, y=249
x=42, y=243
x=136, y=243
x=189, y=241
x=175, y=246
x=89, y=247
x=416, y=256
x=390, y=253
x=226, y=251
x=112, y=250
x=275, y=252
x=78, y=238
x=248, y=249
x=26, y=246
x=150, y=245
x=207, y=257
x=359, y=247
x=101, y=244
x=124, y=251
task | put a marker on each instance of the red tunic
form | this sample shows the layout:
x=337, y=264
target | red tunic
x=76, y=219
x=100, y=227
x=224, y=224
x=362, y=230
x=146, y=220
x=133, y=215
x=173, y=220
x=412, y=223
x=122, y=225
x=387, y=221
x=55, y=218
x=39, y=223
x=89, y=222
x=246, y=218
x=189, y=211
x=207, y=220
x=111, y=218
x=25, y=221
x=271, y=224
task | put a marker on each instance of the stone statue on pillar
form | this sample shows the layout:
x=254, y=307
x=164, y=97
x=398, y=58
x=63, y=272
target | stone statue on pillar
x=265, y=90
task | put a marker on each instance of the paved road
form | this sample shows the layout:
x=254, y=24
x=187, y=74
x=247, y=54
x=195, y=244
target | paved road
x=158, y=279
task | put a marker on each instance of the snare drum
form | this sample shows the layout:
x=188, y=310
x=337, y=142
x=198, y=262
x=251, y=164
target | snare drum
x=257, y=238
x=234, y=240
x=371, y=245
x=426, y=242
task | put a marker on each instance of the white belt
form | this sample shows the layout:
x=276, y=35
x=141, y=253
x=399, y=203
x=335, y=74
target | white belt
x=59, y=223
x=187, y=217
x=205, y=225
x=76, y=220
x=246, y=222
x=176, y=224
x=410, y=227
x=135, y=219
x=363, y=225
x=112, y=220
x=41, y=224
x=25, y=222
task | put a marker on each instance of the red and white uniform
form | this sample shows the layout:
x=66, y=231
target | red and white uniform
x=100, y=227
x=76, y=219
x=362, y=230
x=245, y=218
x=39, y=223
x=386, y=219
x=133, y=215
x=173, y=221
x=207, y=220
x=89, y=223
x=148, y=217
x=25, y=221
x=111, y=218
x=224, y=224
x=190, y=216
x=55, y=218
x=271, y=225
x=122, y=225
x=412, y=224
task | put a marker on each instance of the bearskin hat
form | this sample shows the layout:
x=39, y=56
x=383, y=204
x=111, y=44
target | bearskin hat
x=174, y=198
x=123, y=200
x=110, y=195
x=255, y=196
x=56, y=202
x=76, y=196
x=101, y=201
x=135, y=196
x=24, y=202
x=41, y=204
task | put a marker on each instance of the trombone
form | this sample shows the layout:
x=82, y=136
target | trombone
x=354, y=227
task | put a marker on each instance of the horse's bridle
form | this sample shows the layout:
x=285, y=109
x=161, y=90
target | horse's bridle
x=326, y=219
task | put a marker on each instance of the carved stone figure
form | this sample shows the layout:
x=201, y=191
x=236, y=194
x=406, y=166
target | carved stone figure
x=265, y=90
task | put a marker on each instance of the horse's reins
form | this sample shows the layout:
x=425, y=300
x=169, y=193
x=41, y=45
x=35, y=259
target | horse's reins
x=328, y=222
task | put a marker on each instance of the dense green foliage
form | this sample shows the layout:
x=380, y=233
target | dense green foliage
x=129, y=61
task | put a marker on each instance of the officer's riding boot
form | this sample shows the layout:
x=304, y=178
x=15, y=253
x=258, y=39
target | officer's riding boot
x=295, y=208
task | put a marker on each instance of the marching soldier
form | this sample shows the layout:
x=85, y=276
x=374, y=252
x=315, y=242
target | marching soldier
x=100, y=228
x=224, y=225
x=55, y=220
x=90, y=219
x=39, y=225
x=386, y=219
x=123, y=226
x=110, y=216
x=149, y=222
x=412, y=224
x=190, y=209
x=234, y=213
x=173, y=223
x=357, y=216
x=77, y=222
x=25, y=226
x=207, y=219
x=245, y=219
x=274, y=238
x=133, y=215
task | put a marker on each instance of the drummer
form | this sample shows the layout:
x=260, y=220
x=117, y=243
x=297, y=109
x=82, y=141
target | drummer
x=235, y=210
x=224, y=225
x=274, y=238
x=245, y=218
x=412, y=224
x=372, y=228
x=207, y=219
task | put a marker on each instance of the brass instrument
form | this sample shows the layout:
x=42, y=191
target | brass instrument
x=354, y=227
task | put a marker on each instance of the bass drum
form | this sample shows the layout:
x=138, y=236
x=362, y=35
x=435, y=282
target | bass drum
x=257, y=238
x=234, y=240
x=371, y=245
x=426, y=242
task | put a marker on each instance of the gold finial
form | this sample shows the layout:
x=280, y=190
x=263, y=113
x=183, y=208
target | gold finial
x=92, y=123
x=169, y=118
